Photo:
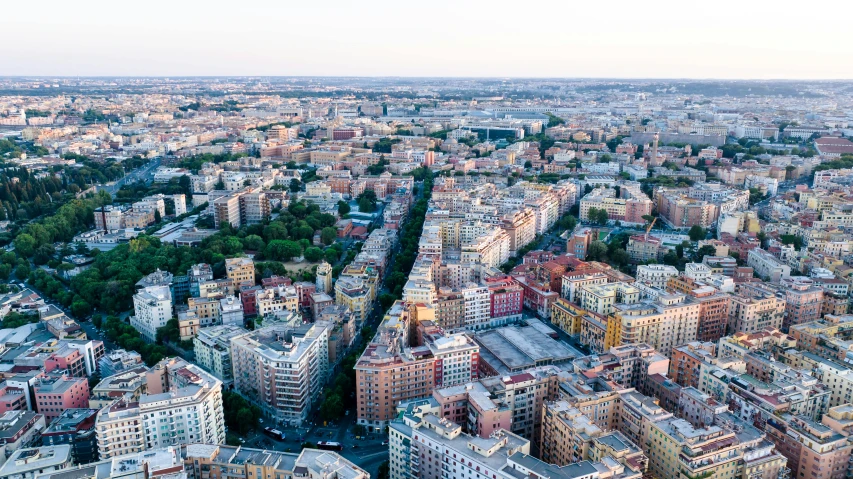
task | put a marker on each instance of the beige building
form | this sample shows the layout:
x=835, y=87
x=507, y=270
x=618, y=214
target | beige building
x=601, y=298
x=668, y=321
x=282, y=370
x=240, y=271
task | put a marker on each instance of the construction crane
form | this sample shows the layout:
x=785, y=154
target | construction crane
x=650, y=228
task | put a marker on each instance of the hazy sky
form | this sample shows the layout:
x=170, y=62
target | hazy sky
x=560, y=38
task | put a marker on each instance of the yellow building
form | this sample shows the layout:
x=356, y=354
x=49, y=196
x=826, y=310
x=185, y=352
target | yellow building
x=240, y=270
x=567, y=316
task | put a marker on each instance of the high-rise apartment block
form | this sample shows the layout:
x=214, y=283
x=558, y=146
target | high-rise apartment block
x=152, y=310
x=282, y=370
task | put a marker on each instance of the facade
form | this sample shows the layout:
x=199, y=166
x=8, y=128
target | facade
x=655, y=275
x=212, y=348
x=282, y=370
x=669, y=321
x=152, y=310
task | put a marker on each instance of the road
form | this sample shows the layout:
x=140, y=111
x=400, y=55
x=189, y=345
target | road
x=136, y=175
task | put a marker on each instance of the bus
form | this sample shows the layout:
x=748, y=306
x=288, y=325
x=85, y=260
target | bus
x=330, y=446
x=274, y=433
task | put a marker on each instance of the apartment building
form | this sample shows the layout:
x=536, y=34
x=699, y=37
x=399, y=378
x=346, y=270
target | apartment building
x=767, y=266
x=183, y=404
x=686, y=361
x=655, y=275
x=601, y=298
x=753, y=310
x=55, y=394
x=282, y=370
x=152, y=310
x=356, y=294
x=270, y=301
x=813, y=450
x=643, y=248
x=803, y=301
x=668, y=321
x=212, y=348
x=567, y=434
x=240, y=271
x=237, y=462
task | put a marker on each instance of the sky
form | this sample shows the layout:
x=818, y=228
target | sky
x=746, y=39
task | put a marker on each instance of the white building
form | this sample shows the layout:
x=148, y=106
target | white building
x=477, y=306
x=281, y=369
x=32, y=462
x=656, y=275
x=183, y=405
x=231, y=311
x=212, y=348
x=766, y=266
x=152, y=310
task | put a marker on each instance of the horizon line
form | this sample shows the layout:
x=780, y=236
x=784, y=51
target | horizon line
x=448, y=76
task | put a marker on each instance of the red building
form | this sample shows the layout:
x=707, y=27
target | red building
x=249, y=300
x=58, y=393
x=505, y=295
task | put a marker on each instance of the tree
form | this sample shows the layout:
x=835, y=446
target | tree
x=796, y=241
x=313, y=254
x=186, y=186
x=157, y=217
x=282, y=250
x=22, y=271
x=43, y=254
x=706, y=250
x=25, y=245
x=601, y=217
x=332, y=255
x=587, y=189
x=332, y=407
x=386, y=300
x=328, y=235
x=596, y=251
x=528, y=164
x=253, y=243
x=696, y=233
x=343, y=208
x=295, y=185
x=619, y=257
x=384, y=470
x=367, y=201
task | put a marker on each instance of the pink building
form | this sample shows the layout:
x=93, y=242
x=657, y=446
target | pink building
x=69, y=360
x=803, y=301
x=56, y=394
x=636, y=208
x=537, y=296
x=12, y=398
x=471, y=406
x=505, y=295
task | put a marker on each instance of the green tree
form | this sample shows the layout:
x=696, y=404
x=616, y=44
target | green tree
x=157, y=217
x=696, y=233
x=295, y=185
x=706, y=250
x=597, y=251
x=328, y=235
x=332, y=407
x=282, y=250
x=332, y=255
x=601, y=217
x=253, y=243
x=343, y=208
x=22, y=271
x=25, y=245
x=313, y=254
